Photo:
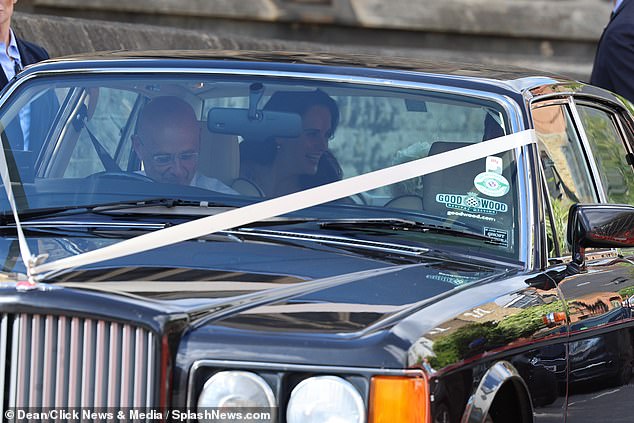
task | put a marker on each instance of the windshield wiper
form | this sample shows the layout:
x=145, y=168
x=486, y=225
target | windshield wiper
x=110, y=207
x=396, y=224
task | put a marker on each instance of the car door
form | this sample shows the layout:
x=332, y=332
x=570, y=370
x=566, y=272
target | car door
x=585, y=159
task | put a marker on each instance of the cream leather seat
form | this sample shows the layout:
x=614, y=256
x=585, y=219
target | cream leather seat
x=220, y=159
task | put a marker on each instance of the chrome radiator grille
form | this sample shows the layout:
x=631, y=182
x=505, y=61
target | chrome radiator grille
x=59, y=361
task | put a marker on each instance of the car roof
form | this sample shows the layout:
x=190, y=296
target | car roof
x=415, y=69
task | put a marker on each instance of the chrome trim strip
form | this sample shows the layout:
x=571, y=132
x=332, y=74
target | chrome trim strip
x=101, y=365
x=150, y=369
x=127, y=346
x=35, y=376
x=74, y=364
x=15, y=339
x=384, y=81
x=291, y=367
x=88, y=365
x=140, y=352
x=560, y=99
x=23, y=361
x=114, y=369
x=63, y=362
x=4, y=333
x=525, y=237
x=287, y=367
x=48, y=379
x=585, y=142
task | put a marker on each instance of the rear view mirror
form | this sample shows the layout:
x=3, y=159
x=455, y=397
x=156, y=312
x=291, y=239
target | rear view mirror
x=258, y=127
x=599, y=226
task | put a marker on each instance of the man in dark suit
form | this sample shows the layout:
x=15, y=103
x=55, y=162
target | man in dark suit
x=27, y=130
x=16, y=53
x=29, y=53
x=31, y=132
x=614, y=61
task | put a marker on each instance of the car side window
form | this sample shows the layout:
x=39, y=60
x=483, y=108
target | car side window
x=609, y=153
x=568, y=177
x=106, y=113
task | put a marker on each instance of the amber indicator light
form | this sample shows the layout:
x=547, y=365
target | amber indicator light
x=398, y=399
x=555, y=317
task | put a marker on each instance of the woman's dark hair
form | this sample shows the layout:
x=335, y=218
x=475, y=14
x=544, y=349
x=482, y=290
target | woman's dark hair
x=263, y=151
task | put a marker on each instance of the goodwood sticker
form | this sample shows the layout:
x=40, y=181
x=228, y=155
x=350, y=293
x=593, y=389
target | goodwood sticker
x=491, y=184
x=472, y=203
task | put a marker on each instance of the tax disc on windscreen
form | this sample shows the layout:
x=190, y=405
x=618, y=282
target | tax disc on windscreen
x=491, y=184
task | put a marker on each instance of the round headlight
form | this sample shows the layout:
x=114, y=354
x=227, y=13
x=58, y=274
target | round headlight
x=231, y=389
x=325, y=399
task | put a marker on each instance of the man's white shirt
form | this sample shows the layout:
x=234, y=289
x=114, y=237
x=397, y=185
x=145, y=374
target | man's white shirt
x=616, y=5
x=202, y=181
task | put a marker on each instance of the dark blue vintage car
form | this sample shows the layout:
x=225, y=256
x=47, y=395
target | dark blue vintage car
x=291, y=237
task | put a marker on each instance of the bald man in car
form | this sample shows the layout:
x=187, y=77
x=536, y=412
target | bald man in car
x=167, y=141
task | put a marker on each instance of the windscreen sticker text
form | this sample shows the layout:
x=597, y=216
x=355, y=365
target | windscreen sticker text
x=472, y=203
x=471, y=215
x=494, y=164
x=498, y=234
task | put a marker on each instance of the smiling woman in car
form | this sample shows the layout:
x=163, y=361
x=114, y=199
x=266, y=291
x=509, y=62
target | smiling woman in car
x=283, y=165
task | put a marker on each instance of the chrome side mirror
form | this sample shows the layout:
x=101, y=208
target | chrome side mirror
x=599, y=226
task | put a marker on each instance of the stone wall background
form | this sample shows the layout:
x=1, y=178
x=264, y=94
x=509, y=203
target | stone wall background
x=552, y=35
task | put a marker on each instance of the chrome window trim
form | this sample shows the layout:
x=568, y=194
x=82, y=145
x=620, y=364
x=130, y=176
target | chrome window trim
x=560, y=99
x=571, y=100
x=289, y=367
x=617, y=113
x=592, y=163
x=614, y=114
x=512, y=108
x=526, y=234
x=4, y=339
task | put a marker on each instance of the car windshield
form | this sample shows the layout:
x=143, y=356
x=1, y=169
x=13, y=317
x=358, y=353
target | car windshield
x=232, y=141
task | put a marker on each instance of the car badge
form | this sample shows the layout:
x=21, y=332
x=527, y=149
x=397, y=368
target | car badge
x=31, y=285
x=26, y=285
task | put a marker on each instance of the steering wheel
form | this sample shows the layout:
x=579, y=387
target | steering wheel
x=113, y=175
